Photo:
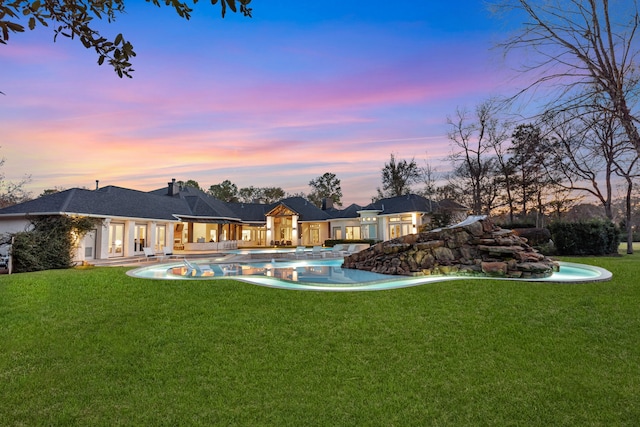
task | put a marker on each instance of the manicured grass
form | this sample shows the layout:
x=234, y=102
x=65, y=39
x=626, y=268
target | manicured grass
x=96, y=347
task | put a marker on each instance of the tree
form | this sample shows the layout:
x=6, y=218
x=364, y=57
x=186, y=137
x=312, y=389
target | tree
x=429, y=177
x=398, y=177
x=474, y=165
x=272, y=194
x=586, y=49
x=189, y=183
x=76, y=19
x=49, y=243
x=324, y=187
x=264, y=195
x=531, y=179
x=583, y=147
x=225, y=191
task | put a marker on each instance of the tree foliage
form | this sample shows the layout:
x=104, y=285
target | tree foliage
x=77, y=20
x=49, y=243
x=326, y=186
x=226, y=191
x=266, y=195
x=397, y=177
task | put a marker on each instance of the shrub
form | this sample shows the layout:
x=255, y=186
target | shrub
x=332, y=242
x=591, y=237
x=49, y=244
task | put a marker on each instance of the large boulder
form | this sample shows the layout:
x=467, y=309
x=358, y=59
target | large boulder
x=474, y=247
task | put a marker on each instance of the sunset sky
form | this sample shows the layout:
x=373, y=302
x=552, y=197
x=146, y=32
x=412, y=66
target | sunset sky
x=300, y=89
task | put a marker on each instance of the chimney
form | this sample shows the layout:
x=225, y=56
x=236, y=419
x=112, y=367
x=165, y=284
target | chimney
x=327, y=203
x=173, y=188
x=97, y=184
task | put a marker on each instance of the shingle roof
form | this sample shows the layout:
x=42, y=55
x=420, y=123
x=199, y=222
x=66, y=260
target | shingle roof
x=191, y=202
x=350, y=211
x=400, y=204
x=251, y=212
x=107, y=201
x=306, y=210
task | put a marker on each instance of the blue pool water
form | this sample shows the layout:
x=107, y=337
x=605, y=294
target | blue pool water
x=328, y=275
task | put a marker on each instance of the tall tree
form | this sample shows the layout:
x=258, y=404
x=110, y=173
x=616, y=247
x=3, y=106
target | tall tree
x=474, y=165
x=397, y=178
x=326, y=186
x=78, y=19
x=585, y=48
x=531, y=178
x=226, y=191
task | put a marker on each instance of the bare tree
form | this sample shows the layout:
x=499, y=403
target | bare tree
x=472, y=159
x=584, y=48
x=584, y=148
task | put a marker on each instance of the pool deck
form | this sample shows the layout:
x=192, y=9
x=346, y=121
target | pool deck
x=237, y=255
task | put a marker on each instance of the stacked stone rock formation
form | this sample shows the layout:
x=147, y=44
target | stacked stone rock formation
x=475, y=247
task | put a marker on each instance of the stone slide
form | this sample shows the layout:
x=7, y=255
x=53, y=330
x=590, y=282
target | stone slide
x=474, y=247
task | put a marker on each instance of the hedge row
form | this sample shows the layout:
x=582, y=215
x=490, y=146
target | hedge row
x=594, y=237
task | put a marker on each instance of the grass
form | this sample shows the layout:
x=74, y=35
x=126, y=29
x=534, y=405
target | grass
x=96, y=347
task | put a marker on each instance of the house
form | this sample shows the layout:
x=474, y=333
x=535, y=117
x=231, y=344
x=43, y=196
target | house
x=187, y=218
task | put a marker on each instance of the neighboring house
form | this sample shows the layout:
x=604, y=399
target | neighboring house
x=187, y=218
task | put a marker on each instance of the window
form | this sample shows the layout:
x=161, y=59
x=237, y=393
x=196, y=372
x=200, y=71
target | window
x=160, y=238
x=352, y=233
x=337, y=233
x=369, y=231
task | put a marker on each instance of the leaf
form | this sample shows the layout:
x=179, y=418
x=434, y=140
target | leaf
x=32, y=23
x=101, y=60
x=118, y=39
x=232, y=5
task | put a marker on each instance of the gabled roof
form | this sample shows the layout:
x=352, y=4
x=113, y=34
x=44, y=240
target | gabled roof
x=401, y=204
x=306, y=210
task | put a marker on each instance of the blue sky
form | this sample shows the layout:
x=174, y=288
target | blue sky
x=298, y=90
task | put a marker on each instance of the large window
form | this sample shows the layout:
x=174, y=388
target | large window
x=140, y=239
x=352, y=233
x=116, y=237
x=160, y=237
x=370, y=231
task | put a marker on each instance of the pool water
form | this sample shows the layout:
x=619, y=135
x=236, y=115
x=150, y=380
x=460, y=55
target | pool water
x=328, y=275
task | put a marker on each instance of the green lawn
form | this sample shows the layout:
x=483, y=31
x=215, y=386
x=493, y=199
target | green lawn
x=96, y=347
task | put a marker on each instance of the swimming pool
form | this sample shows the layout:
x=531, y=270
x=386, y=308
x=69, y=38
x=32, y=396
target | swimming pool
x=328, y=275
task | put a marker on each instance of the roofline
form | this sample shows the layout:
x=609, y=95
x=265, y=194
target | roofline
x=195, y=218
x=27, y=215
